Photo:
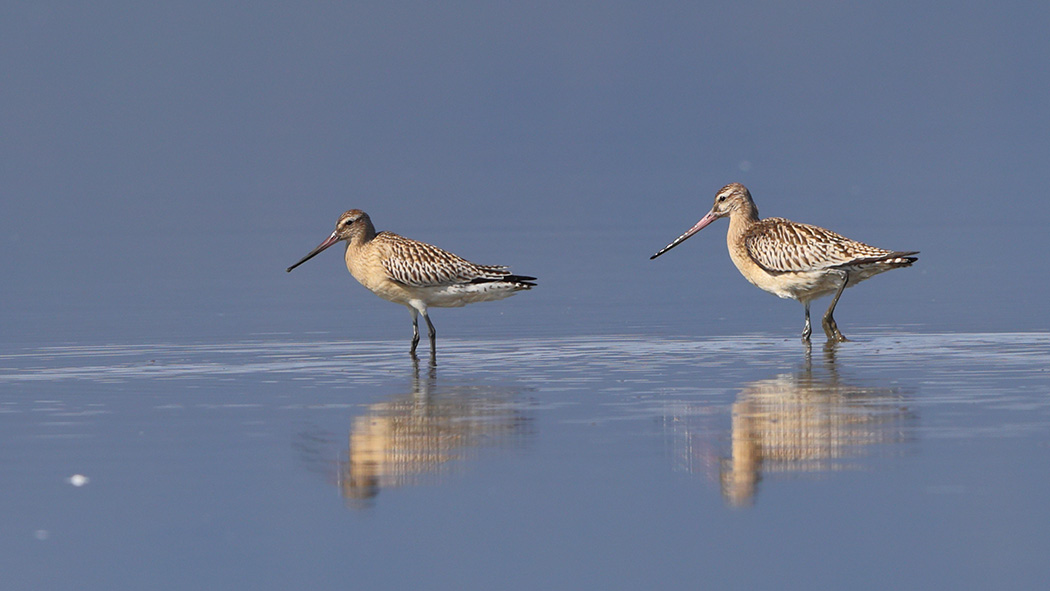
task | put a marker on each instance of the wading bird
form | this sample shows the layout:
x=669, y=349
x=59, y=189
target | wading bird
x=792, y=260
x=416, y=274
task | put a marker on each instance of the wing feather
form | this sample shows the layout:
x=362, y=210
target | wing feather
x=780, y=245
x=424, y=265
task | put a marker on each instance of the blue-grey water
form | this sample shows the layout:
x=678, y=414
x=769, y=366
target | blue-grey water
x=178, y=412
x=618, y=461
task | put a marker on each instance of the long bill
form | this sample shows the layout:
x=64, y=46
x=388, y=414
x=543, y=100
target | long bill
x=704, y=221
x=328, y=242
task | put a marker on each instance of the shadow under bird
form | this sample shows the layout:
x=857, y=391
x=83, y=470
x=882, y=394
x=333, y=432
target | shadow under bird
x=416, y=274
x=792, y=260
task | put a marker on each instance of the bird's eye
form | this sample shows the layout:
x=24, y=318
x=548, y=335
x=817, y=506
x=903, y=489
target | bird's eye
x=721, y=198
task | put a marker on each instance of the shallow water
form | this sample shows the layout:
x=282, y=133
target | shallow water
x=178, y=412
x=628, y=461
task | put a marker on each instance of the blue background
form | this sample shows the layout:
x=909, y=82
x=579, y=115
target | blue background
x=162, y=165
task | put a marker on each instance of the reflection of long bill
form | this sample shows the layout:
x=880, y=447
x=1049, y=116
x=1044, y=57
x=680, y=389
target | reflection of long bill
x=704, y=221
x=328, y=242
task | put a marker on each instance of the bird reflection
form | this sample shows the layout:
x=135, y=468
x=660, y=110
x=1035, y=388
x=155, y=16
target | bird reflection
x=425, y=431
x=807, y=421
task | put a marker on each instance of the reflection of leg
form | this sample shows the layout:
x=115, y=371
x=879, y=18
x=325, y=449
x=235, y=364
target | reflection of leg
x=830, y=327
x=415, y=330
x=807, y=329
x=829, y=352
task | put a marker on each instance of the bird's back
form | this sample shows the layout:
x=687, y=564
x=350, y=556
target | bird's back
x=779, y=245
x=417, y=270
x=419, y=264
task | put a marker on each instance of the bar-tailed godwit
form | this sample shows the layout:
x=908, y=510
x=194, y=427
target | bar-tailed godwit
x=416, y=274
x=792, y=260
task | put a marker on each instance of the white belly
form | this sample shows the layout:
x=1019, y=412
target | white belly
x=454, y=296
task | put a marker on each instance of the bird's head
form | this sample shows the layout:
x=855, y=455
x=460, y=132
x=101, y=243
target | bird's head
x=351, y=224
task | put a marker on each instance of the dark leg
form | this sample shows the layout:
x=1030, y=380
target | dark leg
x=807, y=329
x=432, y=333
x=415, y=330
x=830, y=328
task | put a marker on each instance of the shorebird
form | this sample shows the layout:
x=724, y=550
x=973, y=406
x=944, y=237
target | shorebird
x=416, y=274
x=792, y=260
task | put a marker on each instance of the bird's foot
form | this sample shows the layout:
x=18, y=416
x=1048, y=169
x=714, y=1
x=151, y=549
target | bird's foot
x=415, y=337
x=831, y=329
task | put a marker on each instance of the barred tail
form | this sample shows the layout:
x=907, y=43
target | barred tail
x=901, y=259
x=523, y=280
x=895, y=259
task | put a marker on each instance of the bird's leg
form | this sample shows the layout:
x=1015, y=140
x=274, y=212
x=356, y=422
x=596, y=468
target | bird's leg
x=431, y=333
x=807, y=329
x=830, y=328
x=415, y=330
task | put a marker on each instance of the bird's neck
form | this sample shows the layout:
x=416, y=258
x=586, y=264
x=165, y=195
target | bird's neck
x=367, y=233
x=749, y=211
x=742, y=218
x=740, y=221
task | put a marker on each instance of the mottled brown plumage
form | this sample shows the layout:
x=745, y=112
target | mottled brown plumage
x=419, y=264
x=780, y=245
x=793, y=260
x=416, y=274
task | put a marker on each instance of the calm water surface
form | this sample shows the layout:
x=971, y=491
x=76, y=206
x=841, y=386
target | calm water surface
x=896, y=460
x=177, y=412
